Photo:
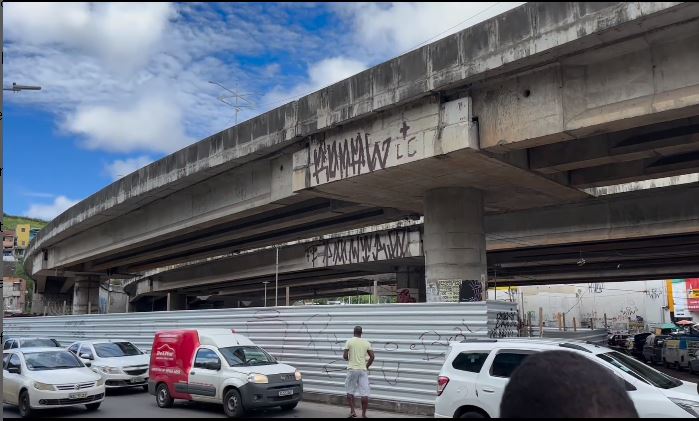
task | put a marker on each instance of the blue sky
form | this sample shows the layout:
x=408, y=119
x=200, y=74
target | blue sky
x=125, y=84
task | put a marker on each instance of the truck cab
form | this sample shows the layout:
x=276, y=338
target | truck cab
x=219, y=366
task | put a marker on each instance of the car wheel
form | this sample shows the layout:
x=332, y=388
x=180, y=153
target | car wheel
x=162, y=396
x=472, y=414
x=289, y=406
x=93, y=406
x=233, y=404
x=25, y=409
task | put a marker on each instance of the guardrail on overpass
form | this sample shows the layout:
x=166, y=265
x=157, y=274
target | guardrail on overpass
x=410, y=340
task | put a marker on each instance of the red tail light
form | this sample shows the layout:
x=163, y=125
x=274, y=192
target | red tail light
x=441, y=384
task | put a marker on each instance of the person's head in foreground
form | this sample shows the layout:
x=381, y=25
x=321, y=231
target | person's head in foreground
x=562, y=384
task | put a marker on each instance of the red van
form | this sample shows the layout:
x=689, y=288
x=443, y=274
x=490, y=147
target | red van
x=218, y=365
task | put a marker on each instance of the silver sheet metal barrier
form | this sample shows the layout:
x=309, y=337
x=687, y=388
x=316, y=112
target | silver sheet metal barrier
x=409, y=340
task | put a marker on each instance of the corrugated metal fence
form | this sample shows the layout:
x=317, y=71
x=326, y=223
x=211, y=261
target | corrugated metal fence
x=409, y=340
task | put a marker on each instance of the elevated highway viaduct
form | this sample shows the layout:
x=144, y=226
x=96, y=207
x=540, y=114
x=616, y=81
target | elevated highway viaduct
x=526, y=112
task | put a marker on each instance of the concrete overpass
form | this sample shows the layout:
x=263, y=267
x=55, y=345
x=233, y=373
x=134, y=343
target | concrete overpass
x=645, y=245
x=513, y=116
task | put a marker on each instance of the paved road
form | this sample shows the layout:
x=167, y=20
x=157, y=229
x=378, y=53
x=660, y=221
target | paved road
x=678, y=374
x=138, y=404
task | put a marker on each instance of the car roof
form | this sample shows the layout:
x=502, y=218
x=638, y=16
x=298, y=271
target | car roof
x=24, y=338
x=100, y=341
x=39, y=349
x=529, y=343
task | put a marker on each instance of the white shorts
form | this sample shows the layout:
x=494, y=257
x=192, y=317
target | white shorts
x=357, y=383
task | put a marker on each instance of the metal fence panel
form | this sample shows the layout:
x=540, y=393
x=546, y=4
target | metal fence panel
x=410, y=340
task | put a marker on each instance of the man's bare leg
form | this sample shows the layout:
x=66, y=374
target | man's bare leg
x=350, y=402
x=365, y=405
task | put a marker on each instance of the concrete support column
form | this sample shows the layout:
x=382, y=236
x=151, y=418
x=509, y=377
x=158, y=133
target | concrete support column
x=86, y=295
x=454, y=245
x=176, y=301
x=287, y=296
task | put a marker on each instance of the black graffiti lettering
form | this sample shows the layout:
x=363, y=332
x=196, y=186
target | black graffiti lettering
x=379, y=154
x=398, y=154
x=505, y=325
x=411, y=154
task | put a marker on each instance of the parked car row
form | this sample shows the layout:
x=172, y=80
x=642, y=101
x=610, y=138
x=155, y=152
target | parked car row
x=207, y=365
x=678, y=351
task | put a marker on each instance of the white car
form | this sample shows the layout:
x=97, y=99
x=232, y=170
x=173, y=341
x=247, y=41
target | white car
x=15, y=343
x=474, y=375
x=40, y=378
x=120, y=362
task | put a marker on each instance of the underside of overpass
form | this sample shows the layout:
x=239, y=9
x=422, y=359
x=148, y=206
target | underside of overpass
x=502, y=136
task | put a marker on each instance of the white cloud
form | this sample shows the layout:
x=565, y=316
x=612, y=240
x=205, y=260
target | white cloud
x=123, y=34
x=153, y=124
x=123, y=167
x=50, y=211
x=321, y=74
x=396, y=27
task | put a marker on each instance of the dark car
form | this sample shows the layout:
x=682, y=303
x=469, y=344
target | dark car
x=639, y=342
x=653, y=348
x=618, y=340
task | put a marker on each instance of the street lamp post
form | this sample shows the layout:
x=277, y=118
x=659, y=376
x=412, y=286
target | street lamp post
x=276, y=279
x=265, y=282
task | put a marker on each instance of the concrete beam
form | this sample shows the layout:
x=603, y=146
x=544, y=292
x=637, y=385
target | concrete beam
x=626, y=172
x=654, y=141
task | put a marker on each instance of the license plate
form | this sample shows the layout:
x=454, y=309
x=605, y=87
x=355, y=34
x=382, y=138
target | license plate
x=79, y=395
x=137, y=380
x=286, y=392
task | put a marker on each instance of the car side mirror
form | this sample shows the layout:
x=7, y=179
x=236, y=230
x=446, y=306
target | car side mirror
x=86, y=357
x=15, y=370
x=213, y=365
x=87, y=363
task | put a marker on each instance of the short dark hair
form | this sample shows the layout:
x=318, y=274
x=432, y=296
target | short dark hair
x=357, y=330
x=563, y=384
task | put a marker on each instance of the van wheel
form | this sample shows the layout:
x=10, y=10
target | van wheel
x=25, y=409
x=289, y=406
x=162, y=396
x=471, y=414
x=232, y=404
x=93, y=406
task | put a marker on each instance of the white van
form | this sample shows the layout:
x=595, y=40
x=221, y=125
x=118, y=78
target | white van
x=474, y=375
x=219, y=366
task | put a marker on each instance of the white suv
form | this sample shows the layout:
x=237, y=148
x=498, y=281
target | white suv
x=476, y=371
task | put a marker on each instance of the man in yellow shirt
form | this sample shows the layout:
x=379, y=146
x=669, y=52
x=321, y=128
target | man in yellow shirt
x=357, y=382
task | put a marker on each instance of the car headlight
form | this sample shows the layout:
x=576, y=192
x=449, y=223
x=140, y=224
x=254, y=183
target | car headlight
x=690, y=406
x=100, y=382
x=109, y=370
x=257, y=378
x=297, y=374
x=43, y=386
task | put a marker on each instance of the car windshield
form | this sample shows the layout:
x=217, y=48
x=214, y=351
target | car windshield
x=37, y=342
x=639, y=370
x=51, y=360
x=116, y=349
x=246, y=356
